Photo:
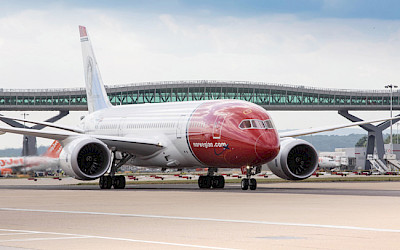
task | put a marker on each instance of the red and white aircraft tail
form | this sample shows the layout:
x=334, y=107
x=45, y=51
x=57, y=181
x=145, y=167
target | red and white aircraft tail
x=54, y=150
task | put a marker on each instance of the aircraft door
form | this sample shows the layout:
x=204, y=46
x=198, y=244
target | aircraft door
x=180, y=129
x=122, y=126
x=219, y=121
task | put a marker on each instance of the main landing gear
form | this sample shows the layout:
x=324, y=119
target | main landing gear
x=249, y=182
x=107, y=181
x=112, y=180
x=211, y=180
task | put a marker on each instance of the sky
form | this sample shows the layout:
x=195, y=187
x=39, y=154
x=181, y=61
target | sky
x=341, y=44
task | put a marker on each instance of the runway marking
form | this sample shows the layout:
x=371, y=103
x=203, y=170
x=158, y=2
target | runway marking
x=15, y=234
x=82, y=236
x=210, y=219
x=34, y=239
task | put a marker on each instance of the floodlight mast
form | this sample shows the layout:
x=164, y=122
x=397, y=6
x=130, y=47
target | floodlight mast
x=391, y=86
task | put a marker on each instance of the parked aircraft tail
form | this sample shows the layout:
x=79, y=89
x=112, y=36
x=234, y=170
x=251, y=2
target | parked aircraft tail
x=54, y=150
x=96, y=94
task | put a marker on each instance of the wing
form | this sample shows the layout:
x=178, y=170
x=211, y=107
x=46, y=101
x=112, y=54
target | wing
x=132, y=145
x=55, y=135
x=310, y=131
x=48, y=124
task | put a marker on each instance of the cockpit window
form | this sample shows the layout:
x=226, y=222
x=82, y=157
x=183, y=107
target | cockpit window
x=256, y=124
x=245, y=124
x=268, y=124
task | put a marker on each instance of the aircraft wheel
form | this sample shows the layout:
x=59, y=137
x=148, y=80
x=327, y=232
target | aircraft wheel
x=119, y=182
x=218, y=181
x=245, y=184
x=214, y=181
x=105, y=182
x=204, y=182
x=101, y=182
x=221, y=182
x=253, y=184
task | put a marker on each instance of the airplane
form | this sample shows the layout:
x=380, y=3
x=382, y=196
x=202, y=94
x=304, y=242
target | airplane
x=195, y=134
x=327, y=163
x=49, y=160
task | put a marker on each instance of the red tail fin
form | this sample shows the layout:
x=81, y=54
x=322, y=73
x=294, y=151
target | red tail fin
x=54, y=150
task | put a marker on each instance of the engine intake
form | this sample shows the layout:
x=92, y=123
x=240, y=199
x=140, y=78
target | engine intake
x=85, y=158
x=297, y=160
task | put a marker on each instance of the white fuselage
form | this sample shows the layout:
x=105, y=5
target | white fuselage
x=166, y=122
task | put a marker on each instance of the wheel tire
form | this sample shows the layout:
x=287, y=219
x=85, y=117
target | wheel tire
x=214, y=181
x=119, y=182
x=218, y=182
x=101, y=182
x=253, y=184
x=200, y=181
x=221, y=182
x=204, y=182
x=245, y=184
x=105, y=182
x=108, y=182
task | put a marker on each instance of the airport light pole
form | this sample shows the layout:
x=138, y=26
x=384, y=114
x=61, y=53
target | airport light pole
x=391, y=86
x=24, y=114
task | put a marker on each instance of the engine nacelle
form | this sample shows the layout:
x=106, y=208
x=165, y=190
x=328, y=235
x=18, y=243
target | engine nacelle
x=85, y=158
x=297, y=160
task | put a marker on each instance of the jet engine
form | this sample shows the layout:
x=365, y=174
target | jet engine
x=297, y=160
x=85, y=158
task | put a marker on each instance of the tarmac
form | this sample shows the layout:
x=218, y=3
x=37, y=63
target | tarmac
x=52, y=214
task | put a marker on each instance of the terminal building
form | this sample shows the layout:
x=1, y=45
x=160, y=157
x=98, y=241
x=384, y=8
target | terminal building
x=356, y=158
x=269, y=96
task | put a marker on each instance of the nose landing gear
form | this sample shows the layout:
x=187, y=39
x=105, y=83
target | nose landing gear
x=249, y=182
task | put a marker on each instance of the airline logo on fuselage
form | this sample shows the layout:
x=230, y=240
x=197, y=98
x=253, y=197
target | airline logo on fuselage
x=209, y=144
x=11, y=161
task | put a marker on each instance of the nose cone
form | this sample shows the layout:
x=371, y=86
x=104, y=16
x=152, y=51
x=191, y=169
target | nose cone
x=267, y=146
